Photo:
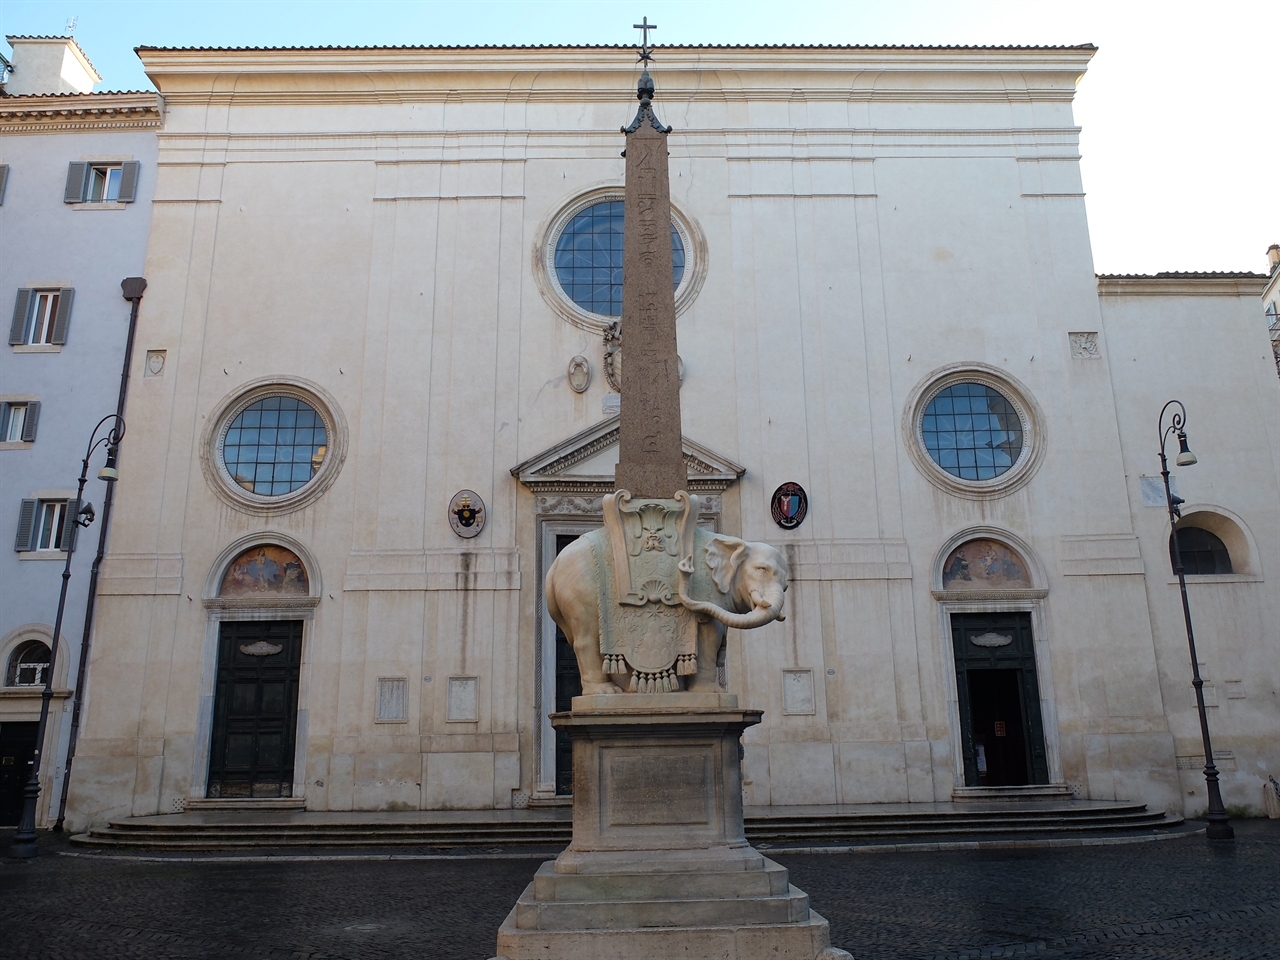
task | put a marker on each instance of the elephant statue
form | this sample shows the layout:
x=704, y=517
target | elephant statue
x=725, y=582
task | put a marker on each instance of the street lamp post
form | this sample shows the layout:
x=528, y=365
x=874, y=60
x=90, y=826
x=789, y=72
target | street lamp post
x=1219, y=827
x=23, y=844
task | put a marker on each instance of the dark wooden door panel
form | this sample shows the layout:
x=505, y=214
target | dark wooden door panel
x=17, y=751
x=255, y=709
x=997, y=685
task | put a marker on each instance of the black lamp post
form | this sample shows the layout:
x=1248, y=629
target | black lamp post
x=1219, y=827
x=23, y=843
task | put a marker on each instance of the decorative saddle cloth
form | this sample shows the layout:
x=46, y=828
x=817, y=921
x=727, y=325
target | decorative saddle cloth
x=643, y=626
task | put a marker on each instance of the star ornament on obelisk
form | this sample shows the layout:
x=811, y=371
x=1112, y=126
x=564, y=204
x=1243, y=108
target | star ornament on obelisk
x=651, y=457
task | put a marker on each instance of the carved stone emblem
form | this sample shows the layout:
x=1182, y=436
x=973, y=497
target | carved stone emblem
x=1084, y=346
x=991, y=640
x=155, y=364
x=260, y=648
x=466, y=514
x=579, y=374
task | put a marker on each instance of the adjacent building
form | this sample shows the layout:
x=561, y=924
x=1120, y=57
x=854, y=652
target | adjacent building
x=383, y=289
x=77, y=172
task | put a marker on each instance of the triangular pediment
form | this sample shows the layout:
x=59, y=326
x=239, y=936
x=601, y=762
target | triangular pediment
x=584, y=463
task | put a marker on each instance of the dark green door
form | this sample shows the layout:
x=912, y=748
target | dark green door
x=255, y=709
x=568, y=686
x=17, y=751
x=1002, y=734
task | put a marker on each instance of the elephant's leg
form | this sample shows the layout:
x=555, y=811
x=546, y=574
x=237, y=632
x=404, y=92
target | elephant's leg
x=710, y=638
x=586, y=647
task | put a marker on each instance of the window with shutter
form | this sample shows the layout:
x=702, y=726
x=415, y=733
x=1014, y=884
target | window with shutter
x=77, y=179
x=129, y=181
x=4, y=180
x=24, y=541
x=62, y=319
x=69, y=526
x=29, y=421
x=21, y=308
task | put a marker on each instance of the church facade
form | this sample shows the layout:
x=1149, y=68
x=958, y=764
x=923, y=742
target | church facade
x=386, y=282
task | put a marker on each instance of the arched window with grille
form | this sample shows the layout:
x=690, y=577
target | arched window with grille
x=1202, y=552
x=28, y=665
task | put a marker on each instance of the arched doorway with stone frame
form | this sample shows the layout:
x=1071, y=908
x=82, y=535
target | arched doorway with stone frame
x=24, y=661
x=990, y=588
x=260, y=598
x=569, y=481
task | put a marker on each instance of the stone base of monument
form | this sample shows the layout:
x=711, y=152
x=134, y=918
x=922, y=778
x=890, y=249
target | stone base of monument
x=659, y=866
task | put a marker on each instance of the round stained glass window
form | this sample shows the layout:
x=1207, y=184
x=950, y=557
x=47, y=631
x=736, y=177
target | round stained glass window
x=588, y=258
x=972, y=431
x=275, y=445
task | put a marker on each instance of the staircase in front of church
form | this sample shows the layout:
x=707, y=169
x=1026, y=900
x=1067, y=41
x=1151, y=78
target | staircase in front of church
x=773, y=828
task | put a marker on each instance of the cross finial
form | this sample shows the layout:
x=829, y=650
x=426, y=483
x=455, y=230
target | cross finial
x=644, y=27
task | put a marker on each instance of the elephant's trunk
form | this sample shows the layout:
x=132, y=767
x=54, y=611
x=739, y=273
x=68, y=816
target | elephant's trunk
x=766, y=608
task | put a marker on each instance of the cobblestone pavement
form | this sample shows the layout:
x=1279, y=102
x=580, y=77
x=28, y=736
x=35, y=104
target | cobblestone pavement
x=1180, y=898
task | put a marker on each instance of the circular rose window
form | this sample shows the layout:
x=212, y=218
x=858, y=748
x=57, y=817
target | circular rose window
x=972, y=431
x=274, y=446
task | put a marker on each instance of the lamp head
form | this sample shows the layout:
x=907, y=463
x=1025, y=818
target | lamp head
x=1185, y=457
x=109, y=473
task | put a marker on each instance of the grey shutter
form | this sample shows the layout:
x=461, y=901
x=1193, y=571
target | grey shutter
x=21, y=308
x=63, y=319
x=69, y=526
x=128, y=181
x=29, y=425
x=26, y=526
x=77, y=174
x=4, y=180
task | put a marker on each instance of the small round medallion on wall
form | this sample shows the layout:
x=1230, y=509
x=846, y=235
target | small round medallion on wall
x=466, y=514
x=790, y=504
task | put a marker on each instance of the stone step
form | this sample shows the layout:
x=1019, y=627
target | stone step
x=785, y=941
x=241, y=805
x=242, y=831
x=549, y=886
x=534, y=914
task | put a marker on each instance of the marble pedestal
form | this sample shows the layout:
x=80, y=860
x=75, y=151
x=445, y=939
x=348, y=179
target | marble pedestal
x=659, y=866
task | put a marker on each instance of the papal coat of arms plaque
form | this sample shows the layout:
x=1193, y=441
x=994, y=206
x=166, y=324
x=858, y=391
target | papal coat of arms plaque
x=789, y=504
x=466, y=514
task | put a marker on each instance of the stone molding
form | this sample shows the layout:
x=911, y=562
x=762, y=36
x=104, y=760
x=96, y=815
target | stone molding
x=71, y=112
x=543, y=473
x=407, y=74
x=452, y=570
x=141, y=574
x=1101, y=554
x=983, y=596
x=847, y=559
x=1185, y=285
x=1034, y=438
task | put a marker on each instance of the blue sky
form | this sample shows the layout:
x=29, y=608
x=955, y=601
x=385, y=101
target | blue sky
x=1181, y=138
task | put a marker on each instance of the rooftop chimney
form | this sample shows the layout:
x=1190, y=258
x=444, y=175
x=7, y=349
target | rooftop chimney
x=1273, y=258
x=41, y=65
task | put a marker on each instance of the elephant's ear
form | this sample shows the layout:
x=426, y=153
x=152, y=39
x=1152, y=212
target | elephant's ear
x=723, y=556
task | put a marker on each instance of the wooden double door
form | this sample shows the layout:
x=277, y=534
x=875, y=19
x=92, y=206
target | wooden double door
x=255, y=709
x=17, y=752
x=1002, y=733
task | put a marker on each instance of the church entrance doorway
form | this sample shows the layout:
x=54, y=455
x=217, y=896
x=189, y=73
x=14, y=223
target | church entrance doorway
x=17, y=751
x=1001, y=729
x=255, y=711
x=568, y=686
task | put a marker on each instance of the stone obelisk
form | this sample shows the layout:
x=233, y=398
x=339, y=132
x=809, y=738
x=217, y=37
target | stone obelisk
x=651, y=459
x=659, y=866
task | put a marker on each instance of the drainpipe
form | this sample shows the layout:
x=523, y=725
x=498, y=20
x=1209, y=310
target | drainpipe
x=132, y=289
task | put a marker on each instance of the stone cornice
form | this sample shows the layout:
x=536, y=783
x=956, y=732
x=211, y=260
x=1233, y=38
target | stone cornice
x=598, y=73
x=81, y=111
x=1183, y=285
